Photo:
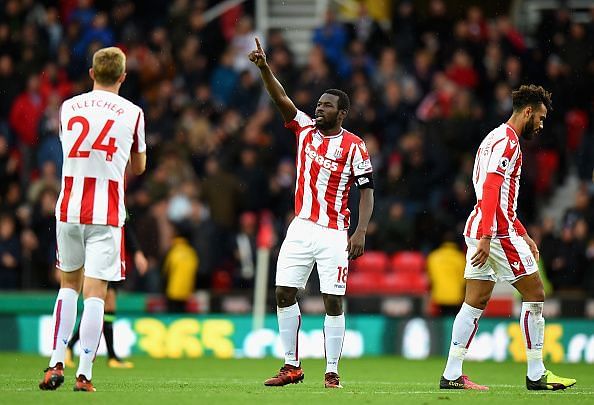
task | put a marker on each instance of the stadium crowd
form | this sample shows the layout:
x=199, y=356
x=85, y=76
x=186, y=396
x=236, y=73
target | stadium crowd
x=424, y=93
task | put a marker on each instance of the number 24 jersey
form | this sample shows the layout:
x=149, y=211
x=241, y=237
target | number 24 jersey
x=98, y=130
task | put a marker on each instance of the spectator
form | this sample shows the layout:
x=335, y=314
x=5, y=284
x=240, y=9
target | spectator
x=395, y=231
x=10, y=253
x=26, y=112
x=252, y=179
x=331, y=37
x=43, y=227
x=366, y=30
x=404, y=27
x=461, y=71
x=221, y=192
x=8, y=167
x=224, y=79
x=245, y=250
x=445, y=266
x=241, y=44
x=568, y=263
x=181, y=262
x=8, y=83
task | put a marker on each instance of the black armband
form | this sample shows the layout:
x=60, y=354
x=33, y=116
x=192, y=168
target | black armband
x=364, y=181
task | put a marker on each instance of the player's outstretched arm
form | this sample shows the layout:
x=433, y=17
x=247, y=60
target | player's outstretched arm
x=275, y=89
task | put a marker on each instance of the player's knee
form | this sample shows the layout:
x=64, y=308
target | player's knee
x=333, y=304
x=537, y=295
x=285, y=296
x=478, y=301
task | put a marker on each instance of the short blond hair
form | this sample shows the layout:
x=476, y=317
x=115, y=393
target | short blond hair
x=108, y=65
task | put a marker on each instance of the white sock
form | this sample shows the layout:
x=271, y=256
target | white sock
x=289, y=322
x=463, y=330
x=333, y=338
x=64, y=319
x=91, y=326
x=532, y=324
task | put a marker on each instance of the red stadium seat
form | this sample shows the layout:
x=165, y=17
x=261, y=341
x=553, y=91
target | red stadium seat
x=408, y=262
x=405, y=283
x=364, y=283
x=499, y=307
x=370, y=262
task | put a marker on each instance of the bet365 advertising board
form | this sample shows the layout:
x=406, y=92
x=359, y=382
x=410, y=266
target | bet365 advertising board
x=223, y=336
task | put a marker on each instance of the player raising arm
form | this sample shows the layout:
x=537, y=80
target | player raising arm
x=100, y=131
x=329, y=160
x=499, y=248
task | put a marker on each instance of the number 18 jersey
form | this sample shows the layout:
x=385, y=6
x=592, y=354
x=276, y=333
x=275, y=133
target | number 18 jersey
x=98, y=130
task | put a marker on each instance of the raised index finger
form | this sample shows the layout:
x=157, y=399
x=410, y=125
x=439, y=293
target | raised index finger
x=258, y=44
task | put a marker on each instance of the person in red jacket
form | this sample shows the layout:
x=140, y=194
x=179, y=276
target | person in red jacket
x=26, y=112
x=25, y=115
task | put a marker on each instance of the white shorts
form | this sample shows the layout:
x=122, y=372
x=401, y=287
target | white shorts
x=509, y=259
x=97, y=248
x=307, y=243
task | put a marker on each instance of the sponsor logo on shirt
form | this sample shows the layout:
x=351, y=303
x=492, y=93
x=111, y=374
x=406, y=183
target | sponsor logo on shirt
x=364, y=165
x=319, y=159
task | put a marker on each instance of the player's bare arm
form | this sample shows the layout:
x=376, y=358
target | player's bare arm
x=273, y=86
x=138, y=162
x=356, y=244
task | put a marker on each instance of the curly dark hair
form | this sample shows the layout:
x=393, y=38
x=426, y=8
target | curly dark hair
x=343, y=99
x=531, y=95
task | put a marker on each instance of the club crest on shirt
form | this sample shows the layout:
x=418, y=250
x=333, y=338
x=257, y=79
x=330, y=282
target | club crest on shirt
x=338, y=153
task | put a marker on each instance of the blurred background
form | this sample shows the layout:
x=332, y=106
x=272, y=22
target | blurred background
x=427, y=80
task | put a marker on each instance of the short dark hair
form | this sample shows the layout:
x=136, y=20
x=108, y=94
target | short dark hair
x=531, y=95
x=343, y=99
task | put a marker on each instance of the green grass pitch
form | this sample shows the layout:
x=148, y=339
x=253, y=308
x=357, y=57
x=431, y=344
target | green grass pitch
x=372, y=380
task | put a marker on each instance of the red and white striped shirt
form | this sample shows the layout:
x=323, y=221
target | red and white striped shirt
x=326, y=169
x=498, y=153
x=98, y=130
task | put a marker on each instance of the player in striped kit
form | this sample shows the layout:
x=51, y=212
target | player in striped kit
x=100, y=131
x=329, y=160
x=499, y=247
